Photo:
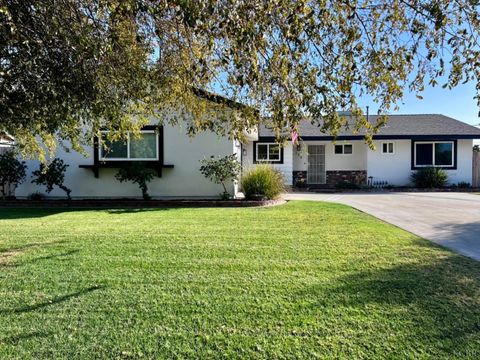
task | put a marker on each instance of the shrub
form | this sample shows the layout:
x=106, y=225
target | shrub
x=12, y=171
x=464, y=185
x=138, y=174
x=52, y=175
x=36, y=196
x=220, y=170
x=262, y=181
x=429, y=177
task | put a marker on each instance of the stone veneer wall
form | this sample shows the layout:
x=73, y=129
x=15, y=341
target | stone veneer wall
x=358, y=177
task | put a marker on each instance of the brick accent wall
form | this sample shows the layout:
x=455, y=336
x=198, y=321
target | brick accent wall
x=358, y=177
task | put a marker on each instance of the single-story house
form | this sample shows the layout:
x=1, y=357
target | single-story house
x=405, y=144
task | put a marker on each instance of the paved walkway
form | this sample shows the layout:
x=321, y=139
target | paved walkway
x=448, y=219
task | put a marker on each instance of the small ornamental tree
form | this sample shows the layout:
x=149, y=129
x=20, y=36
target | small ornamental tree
x=51, y=175
x=12, y=171
x=138, y=174
x=220, y=170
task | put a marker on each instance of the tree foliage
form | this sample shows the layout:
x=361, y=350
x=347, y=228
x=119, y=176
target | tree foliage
x=113, y=64
x=52, y=174
x=138, y=174
x=12, y=171
x=220, y=170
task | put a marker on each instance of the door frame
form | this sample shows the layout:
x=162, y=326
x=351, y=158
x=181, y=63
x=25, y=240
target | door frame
x=309, y=173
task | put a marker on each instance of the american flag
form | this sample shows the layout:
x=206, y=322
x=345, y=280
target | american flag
x=294, y=137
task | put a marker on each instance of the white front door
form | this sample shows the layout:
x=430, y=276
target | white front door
x=316, y=164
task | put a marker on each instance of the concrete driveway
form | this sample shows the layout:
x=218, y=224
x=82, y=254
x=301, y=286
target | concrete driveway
x=448, y=219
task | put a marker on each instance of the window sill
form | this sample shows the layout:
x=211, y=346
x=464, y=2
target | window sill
x=118, y=164
x=436, y=167
x=268, y=162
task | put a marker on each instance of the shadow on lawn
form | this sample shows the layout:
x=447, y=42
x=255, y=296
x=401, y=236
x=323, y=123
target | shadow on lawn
x=32, y=213
x=48, y=257
x=21, y=248
x=434, y=304
x=15, y=339
x=56, y=300
x=137, y=210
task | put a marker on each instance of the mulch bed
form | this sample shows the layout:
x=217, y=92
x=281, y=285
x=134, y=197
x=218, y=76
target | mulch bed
x=134, y=203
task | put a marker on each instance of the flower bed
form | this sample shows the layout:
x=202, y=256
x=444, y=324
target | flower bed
x=135, y=203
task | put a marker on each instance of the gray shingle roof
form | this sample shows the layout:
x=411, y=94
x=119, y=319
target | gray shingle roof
x=397, y=125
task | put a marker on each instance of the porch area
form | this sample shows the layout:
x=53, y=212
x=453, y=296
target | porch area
x=324, y=164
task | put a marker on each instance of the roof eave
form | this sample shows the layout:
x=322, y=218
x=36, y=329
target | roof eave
x=380, y=137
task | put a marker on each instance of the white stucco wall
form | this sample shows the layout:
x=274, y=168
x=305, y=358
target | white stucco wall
x=396, y=168
x=184, y=180
x=464, y=163
x=286, y=168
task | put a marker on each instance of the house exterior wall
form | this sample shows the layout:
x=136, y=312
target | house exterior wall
x=184, y=180
x=396, y=168
x=355, y=161
x=464, y=163
x=286, y=168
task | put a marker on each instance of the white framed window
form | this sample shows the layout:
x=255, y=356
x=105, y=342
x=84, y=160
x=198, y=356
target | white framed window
x=343, y=149
x=434, y=153
x=143, y=147
x=388, y=148
x=268, y=152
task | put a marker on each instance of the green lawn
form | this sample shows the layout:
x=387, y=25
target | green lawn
x=300, y=280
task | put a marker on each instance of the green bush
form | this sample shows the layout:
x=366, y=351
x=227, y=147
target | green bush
x=429, y=177
x=262, y=182
x=138, y=174
x=221, y=170
x=37, y=196
x=51, y=175
x=464, y=185
x=12, y=171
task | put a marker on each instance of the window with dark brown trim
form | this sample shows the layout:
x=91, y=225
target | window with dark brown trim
x=442, y=154
x=267, y=152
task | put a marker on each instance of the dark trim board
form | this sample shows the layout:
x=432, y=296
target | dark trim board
x=412, y=151
x=119, y=164
x=377, y=137
x=158, y=165
x=266, y=162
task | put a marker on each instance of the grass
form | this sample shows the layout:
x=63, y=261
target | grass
x=301, y=280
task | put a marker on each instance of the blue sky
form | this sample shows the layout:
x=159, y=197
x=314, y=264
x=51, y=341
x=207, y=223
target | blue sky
x=457, y=103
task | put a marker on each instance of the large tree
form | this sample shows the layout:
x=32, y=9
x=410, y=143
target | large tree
x=65, y=64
